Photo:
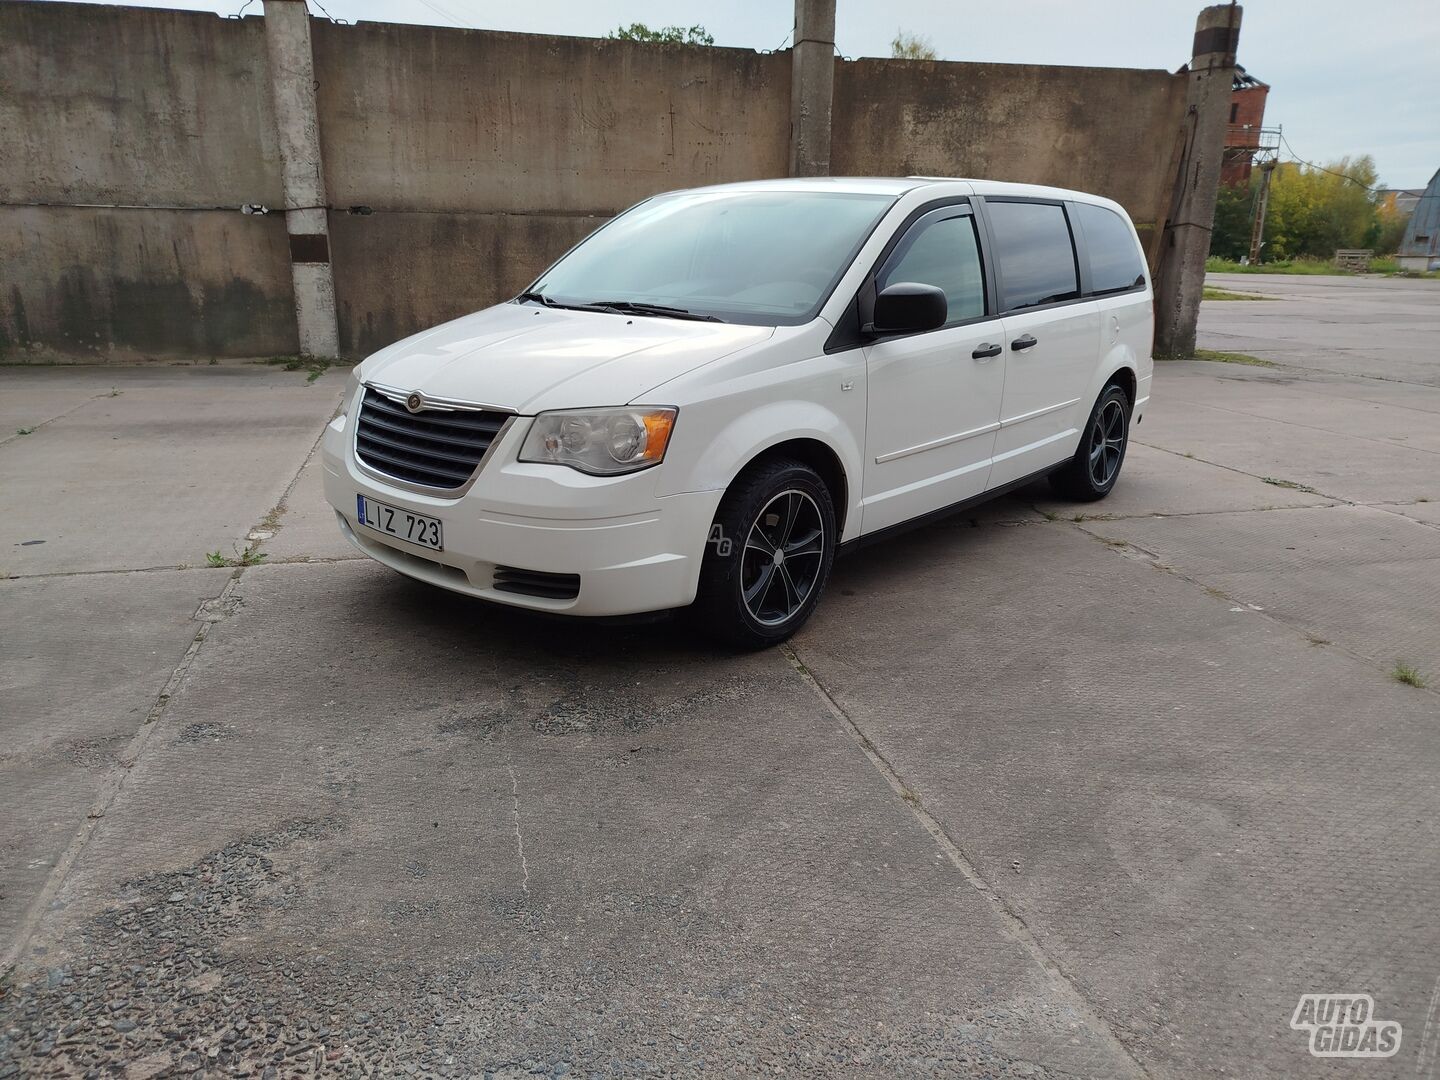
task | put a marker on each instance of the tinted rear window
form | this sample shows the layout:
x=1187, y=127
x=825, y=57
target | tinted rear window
x=1036, y=256
x=1115, y=263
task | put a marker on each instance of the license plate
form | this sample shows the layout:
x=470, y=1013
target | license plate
x=404, y=525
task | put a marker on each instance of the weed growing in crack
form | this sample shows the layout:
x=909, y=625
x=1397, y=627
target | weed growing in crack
x=250, y=556
x=1410, y=676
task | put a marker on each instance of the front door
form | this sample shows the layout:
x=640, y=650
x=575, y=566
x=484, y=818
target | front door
x=934, y=397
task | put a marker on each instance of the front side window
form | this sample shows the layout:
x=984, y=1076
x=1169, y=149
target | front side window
x=765, y=258
x=1035, y=253
x=944, y=252
x=1115, y=263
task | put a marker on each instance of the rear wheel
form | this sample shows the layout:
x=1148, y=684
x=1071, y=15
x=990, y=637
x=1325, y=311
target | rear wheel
x=769, y=555
x=1092, y=472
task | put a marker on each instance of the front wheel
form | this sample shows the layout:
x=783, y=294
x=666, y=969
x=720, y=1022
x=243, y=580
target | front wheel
x=1092, y=472
x=768, y=557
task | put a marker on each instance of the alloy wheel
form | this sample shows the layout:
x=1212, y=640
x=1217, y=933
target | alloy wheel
x=1107, y=444
x=782, y=557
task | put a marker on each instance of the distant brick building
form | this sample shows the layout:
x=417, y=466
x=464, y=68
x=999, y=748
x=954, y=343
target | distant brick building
x=1247, y=117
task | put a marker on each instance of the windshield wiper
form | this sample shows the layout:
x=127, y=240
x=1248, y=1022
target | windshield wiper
x=551, y=302
x=636, y=307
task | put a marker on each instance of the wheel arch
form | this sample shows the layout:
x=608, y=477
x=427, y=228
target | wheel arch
x=1125, y=378
x=821, y=457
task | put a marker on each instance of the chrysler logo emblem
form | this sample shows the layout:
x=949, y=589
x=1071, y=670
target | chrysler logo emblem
x=414, y=401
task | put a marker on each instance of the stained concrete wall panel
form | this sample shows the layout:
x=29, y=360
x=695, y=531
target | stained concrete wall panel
x=104, y=104
x=399, y=273
x=133, y=284
x=1107, y=130
x=427, y=118
x=485, y=155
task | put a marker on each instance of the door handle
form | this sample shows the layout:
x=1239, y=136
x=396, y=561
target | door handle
x=1025, y=341
x=984, y=351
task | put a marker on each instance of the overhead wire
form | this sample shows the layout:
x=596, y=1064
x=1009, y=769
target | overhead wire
x=1301, y=161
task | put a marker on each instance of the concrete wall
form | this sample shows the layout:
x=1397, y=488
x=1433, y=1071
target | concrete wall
x=89, y=283
x=167, y=113
x=399, y=273
x=480, y=157
x=1107, y=130
x=486, y=155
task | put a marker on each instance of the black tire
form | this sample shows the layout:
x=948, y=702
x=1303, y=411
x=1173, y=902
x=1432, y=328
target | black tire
x=739, y=601
x=1092, y=472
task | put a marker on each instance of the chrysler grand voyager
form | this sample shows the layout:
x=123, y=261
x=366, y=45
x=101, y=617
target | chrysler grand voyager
x=712, y=394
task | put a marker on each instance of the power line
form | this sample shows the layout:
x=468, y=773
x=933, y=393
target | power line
x=445, y=14
x=326, y=13
x=1322, y=168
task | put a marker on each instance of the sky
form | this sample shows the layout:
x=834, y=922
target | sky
x=1345, y=79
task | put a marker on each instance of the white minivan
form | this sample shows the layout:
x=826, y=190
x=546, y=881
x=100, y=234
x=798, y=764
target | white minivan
x=706, y=399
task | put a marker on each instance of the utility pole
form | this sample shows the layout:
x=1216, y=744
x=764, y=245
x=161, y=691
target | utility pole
x=812, y=87
x=292, y=87
x=1262, y=203
x=1180, y=276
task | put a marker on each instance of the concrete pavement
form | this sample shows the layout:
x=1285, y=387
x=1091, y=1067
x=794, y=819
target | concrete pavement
x=1384, y=328
x=1043, y=790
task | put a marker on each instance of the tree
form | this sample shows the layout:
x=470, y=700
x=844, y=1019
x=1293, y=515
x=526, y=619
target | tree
x=1230, y=238
x=1313, y=212
x=911, y=47
x=1389, y=230
x=665, y=35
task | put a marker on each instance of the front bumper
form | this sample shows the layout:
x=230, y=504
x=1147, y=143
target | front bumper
x=634, y=551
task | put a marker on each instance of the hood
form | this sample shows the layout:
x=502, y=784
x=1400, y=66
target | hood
x=528, y=358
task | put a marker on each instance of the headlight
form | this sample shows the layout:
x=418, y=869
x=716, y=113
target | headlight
x=602, y=442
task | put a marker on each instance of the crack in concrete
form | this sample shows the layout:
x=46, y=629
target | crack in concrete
x=1310, y=637
x=1013, y=925
x=1060, y=519
x=1334, y=500
x=1336, y=379
x=1242, y=472
x=114, y=782
x=519, y=840
x=1429, y=1038
x=208, y=614
x=1292, y=366
x=58, y=416
x=1389, y=443
x=289, y=560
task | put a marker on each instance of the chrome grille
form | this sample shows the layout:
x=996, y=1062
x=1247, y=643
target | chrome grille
x=437, y=448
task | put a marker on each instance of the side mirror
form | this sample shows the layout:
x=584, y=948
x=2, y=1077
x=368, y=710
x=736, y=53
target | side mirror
x=907, y=306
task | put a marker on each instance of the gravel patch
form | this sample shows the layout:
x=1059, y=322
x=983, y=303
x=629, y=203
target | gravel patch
x=170, y=982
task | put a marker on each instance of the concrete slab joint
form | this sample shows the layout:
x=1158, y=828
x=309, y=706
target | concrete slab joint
x=292, y=85
x=812, y=87
x=1180, y=276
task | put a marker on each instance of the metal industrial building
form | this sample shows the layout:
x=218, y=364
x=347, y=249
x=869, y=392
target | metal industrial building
x=1420, y=250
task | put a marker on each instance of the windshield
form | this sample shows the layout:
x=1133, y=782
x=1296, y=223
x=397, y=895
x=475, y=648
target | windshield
x=760, y=257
